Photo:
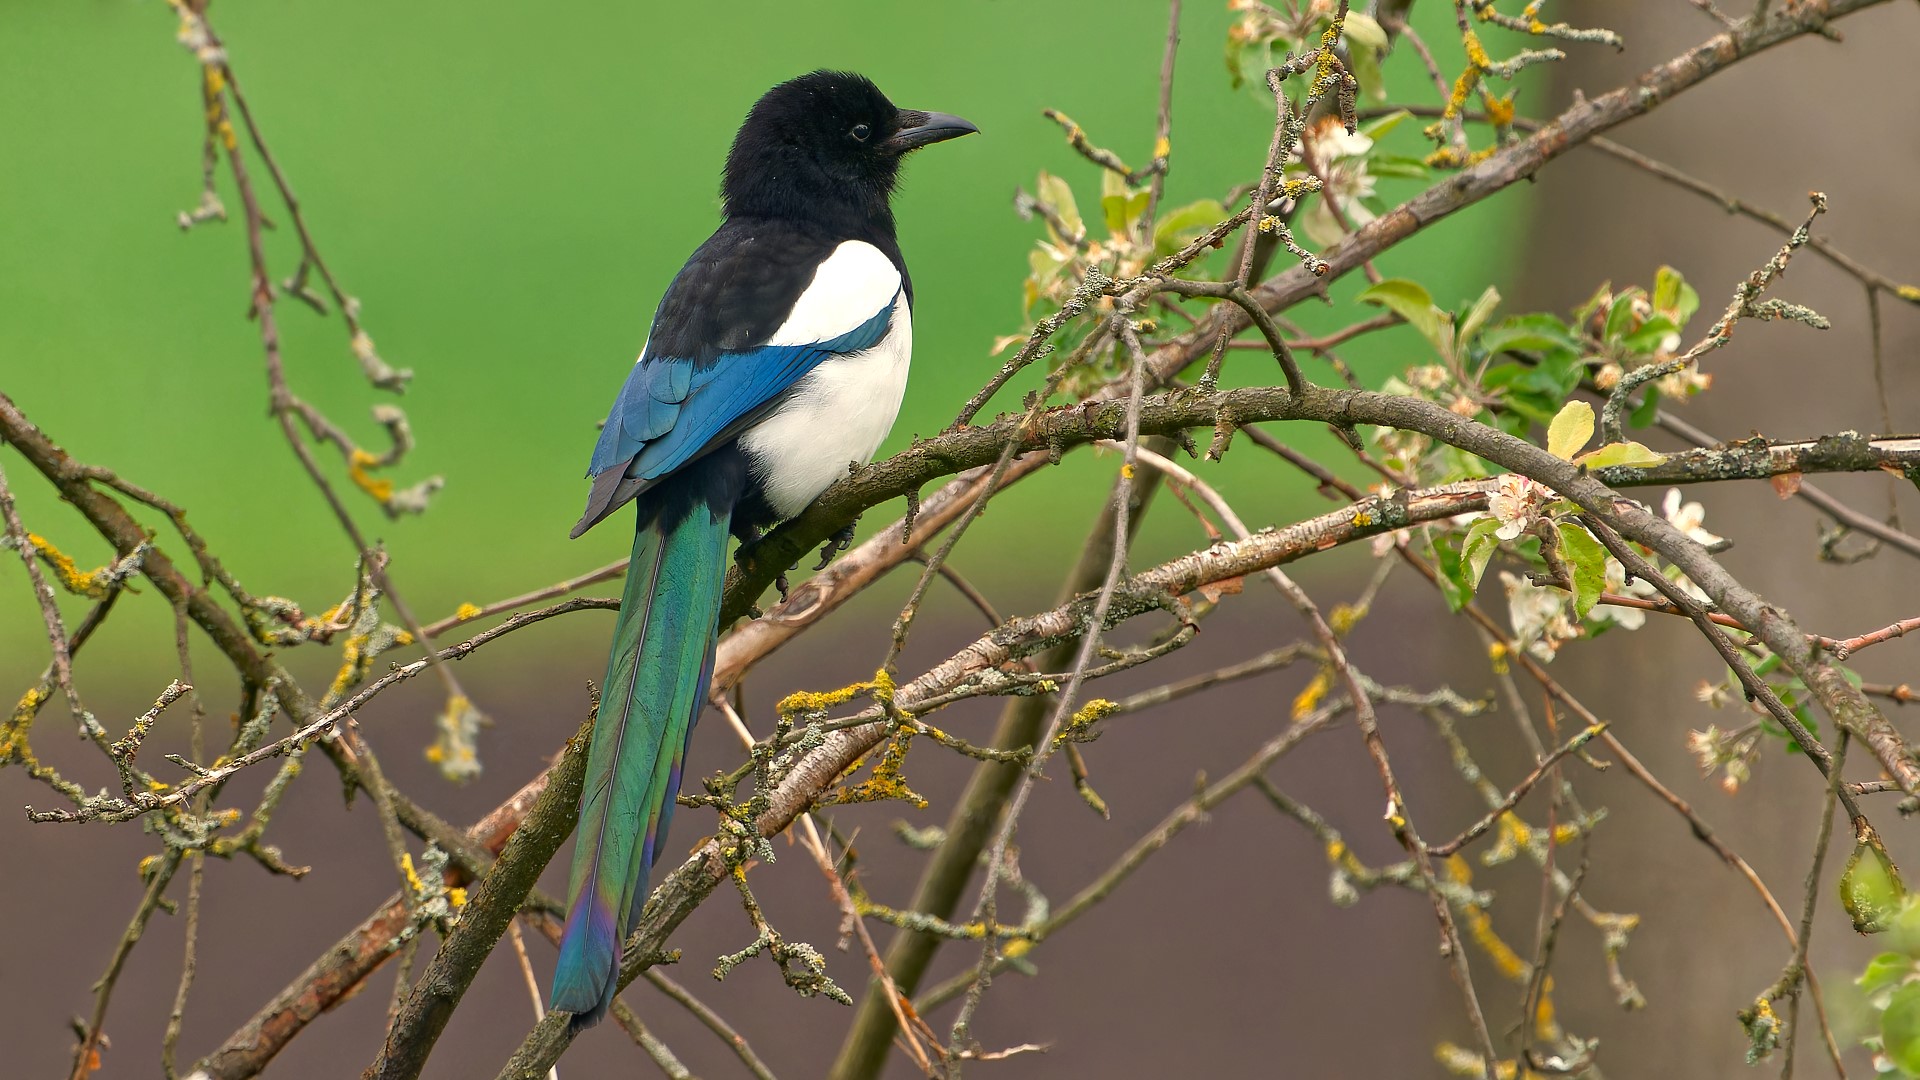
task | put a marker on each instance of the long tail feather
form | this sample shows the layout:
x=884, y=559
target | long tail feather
x=657, y=678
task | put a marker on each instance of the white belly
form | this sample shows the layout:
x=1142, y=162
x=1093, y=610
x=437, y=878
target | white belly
x=836, y=416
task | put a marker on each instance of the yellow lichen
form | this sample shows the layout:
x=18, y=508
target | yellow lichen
x=1309, y=698
x=1499, y=110
x=1480, y=928
x=1460, y=1061
x=353, y=665
x=89, y=583
x=357, y=465
x=466, y=611
x=1083, y=719
x=1345, y=617
x=1497, y=653
x=801, y=702
x=1341, y=857
x=887, y=782
x=1476, y=52
x=457, y=897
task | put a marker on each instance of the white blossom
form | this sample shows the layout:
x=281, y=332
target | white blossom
x=1687, y=517
x=1515, y=504
x=1626, y=618
x=1542, y=618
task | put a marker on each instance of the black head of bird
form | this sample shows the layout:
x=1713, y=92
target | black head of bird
x=826, y=145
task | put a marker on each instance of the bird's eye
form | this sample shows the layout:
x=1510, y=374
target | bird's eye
x=860, y=132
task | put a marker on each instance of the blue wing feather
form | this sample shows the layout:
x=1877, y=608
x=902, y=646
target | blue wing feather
x=671, y=411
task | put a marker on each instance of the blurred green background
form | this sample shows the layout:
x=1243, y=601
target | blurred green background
x=507, y=190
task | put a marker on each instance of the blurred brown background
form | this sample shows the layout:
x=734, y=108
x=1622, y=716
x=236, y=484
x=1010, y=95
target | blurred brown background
x=1223, y=955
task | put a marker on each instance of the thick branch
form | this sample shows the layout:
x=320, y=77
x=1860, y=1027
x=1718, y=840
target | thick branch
x=491, y=907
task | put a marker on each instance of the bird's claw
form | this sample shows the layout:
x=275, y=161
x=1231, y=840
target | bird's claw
x=836, y=544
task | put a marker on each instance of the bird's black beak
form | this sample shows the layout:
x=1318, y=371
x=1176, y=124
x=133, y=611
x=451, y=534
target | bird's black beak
x=917, y=129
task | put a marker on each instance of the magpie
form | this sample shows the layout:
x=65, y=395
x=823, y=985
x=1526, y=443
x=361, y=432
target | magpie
x=777, y=358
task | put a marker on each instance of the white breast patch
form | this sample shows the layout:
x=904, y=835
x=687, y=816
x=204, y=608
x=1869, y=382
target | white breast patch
x=839, y=412
x=848, y=287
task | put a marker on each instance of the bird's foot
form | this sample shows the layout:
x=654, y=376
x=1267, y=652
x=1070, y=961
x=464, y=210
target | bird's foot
x=836, y=544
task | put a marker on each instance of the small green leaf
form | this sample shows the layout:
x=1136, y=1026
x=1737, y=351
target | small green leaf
x=1673, y=297
x=1362, y=30
x=1113, y=201
x=1452, y=579
x=1477, y=315
x=1600, y=298
x=1397, y=166
x=1587, y=558
x=1647, y=337
x=1649, y=406
x=1056, y=193
x=1537, y=332
x=1377, y=128
x=1870, y=889
x=1365, y=65
x=1885, y=970
x=1412, y=303
x=1900, y=1030
x=1475, y=550
x=1621, y=453
x=1620, y=315
x=1570, y=430
x=1178, y=227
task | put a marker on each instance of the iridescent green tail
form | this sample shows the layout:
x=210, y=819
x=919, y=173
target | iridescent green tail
x=656, y=682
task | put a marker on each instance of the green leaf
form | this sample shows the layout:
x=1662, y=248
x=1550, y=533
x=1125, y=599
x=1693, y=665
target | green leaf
x=1870, y=889
x=1477, y=315
x=1643, y=413
x=1570, y=430
x=1377, y=129
x=1537, y=332
x=1178, y=227
x=1362, y=30
x=1620, y=315
x=1885, y=970
x=1056, y=193
x=1601, y=296
x=1452, y=579
x=1412, y=303
x=1647, y=337
x=1900, y=1030
x=1475, y=551
x=1587, y=558
x=1365, y=65
x=1621, y=453
x=1395, y=165
x=1673, y=297
x=1113, y=201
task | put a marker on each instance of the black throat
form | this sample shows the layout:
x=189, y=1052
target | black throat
x=782, y=185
